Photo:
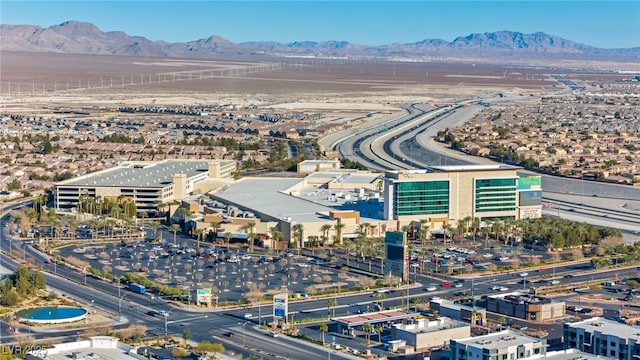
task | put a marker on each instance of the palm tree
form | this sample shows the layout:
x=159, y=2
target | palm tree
x=475, y=224
x=380, y=297
x=250, y=234
x=276, y=235
x=199, y=233
x=379, y=329
x=498, y=228
x=323, y=328
x=155, y=225
x=214, y=225
x=448, y=229
x=485, y=232
x=331, y=304
x=348, y=246
x=228, y=236
x=175, y=228
x=466, y=225
x=339, y=227
x=367, y=327
x=325, y=232
x=298, y=231
x=424, y=230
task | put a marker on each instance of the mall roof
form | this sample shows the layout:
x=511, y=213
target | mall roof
x=270, y=196
x=140, y=174
x=498, y=340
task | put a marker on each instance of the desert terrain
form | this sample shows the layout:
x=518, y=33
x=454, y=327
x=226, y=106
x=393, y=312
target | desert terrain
x=31, y=81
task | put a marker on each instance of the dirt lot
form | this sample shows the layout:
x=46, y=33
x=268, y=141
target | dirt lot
x=63, y=78
x=33, y=80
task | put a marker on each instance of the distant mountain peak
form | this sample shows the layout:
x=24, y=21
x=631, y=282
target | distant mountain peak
x=85, y=38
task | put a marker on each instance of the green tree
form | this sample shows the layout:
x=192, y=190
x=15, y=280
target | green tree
x=38, y=280
x=206, y=347
x=186, y=334
x=23, y=281
x=14, y=185
x=10, y=299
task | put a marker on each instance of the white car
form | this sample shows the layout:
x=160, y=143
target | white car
x=431, y=288
x=524, y=274
x=247, y=316
x=458, y=285
x=555, y=282
x=381, y=291
x=245, y=257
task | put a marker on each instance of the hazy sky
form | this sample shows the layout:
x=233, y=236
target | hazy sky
x=607, y=24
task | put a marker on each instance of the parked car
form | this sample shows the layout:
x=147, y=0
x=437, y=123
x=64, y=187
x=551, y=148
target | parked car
x=228, y=334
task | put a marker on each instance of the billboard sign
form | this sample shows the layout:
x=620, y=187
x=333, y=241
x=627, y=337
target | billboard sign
x=530, y=198
x=280, y=306
x=396, y=254
x=397, y=238
x=530, y=183
x=530, y=212
x=203, y=296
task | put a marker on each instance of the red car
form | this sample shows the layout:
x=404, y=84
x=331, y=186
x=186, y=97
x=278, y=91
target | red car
x=446, y=284
x=541, y=270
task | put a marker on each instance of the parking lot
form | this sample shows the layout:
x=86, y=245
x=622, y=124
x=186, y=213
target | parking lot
x=231, y=273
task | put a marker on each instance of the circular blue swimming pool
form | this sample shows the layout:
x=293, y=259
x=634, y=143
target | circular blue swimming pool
x=51, y=314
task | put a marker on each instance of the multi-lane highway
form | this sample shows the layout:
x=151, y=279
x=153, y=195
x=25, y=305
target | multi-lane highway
x=408, y=142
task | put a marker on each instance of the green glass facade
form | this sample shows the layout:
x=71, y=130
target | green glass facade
x=495, y=195
x=421, y=198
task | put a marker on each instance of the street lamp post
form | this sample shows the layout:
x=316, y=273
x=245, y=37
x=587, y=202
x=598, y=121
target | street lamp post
x=244, y=333
x=120, y=304
x=166, y=318
x=582, y=191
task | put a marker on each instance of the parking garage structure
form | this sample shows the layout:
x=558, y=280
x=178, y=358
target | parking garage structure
x=147, y=183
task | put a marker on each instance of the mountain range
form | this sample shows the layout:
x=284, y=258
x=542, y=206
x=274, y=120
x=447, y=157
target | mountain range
x=85, y=38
